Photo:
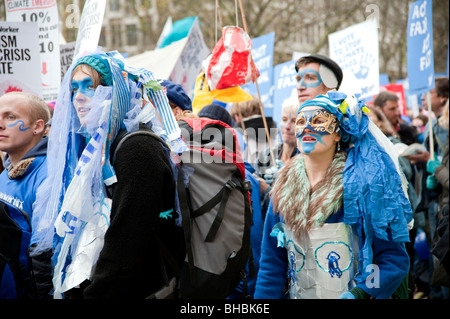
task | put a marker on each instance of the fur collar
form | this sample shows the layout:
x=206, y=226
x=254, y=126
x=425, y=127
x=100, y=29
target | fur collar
x=302, y=207
x=20, y=168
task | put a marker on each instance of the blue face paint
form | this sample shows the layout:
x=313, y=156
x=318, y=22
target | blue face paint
x=84, y=86
x=310, y=78
x=21, y=127
x=308, y=147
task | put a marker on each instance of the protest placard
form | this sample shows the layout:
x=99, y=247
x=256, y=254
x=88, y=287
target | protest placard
x=19, y=58
x=45, y=14
x=189, y=63
x=285, y=87
x=420, y=60
x=90, y=26
x=355, y=50
x=262, y=53
x=66, y=52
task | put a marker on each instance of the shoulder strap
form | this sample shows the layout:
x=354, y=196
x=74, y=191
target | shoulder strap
x=124, y=135
x=120, y=139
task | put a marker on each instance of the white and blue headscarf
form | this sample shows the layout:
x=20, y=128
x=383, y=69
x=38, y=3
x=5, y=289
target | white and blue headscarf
x=375, y=188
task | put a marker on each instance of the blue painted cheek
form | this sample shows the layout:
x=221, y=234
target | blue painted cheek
x=22, y=127
x=309, y=147
x=83, y=87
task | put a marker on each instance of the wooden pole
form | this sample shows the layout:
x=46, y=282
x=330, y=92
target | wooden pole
x=219, y=14
x=430, y=126
x=257, y=88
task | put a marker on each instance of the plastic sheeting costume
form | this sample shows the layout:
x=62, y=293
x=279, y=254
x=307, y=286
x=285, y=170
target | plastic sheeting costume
x=73, y=200
x=346, y=238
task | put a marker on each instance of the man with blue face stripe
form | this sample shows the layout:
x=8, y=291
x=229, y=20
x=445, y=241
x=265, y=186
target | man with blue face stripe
x=316, y=74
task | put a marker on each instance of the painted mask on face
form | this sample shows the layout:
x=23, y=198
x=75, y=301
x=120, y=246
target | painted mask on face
x=82, y=92
x=309, y=78
x=84, y=86
x=319, y=121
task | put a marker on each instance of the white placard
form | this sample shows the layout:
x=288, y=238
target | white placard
x=189, y=63
x=45, y=14
x=19, y=58
x=355, y=50
x=90, y=26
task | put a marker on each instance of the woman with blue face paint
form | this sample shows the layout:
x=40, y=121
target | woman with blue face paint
x=103, y=215
x=339, y=212
x=83, y=90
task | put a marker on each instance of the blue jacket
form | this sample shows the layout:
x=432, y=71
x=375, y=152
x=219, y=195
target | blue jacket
x=391, y=258
x=21, y=191
x=255, y=235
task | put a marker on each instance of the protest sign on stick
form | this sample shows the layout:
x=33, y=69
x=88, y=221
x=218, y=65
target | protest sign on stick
x=45, y=14
x=19, y=58
x=90, y=26
x=190, y=60
x=420, y=58
x=355, y=50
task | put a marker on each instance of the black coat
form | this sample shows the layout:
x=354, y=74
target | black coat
x=129, y=265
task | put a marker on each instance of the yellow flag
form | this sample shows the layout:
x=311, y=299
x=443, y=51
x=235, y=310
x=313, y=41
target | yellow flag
x=203, y=96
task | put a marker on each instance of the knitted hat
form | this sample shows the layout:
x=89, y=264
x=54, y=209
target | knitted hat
x=216, y=112
x=100, y=65
x=177, y=95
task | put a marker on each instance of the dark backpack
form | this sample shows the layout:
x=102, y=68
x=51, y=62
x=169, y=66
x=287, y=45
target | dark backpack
x=215, y=208
x=16, y=279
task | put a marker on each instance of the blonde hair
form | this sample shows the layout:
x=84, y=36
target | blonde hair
x=38, y=109
x=183, y=114
x=247, y=108
x=443, y=120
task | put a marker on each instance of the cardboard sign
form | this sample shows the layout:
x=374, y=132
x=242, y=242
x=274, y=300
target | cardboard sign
x=190, y=60
x=45, y=14
x=90, y=26
x=19, y=58
x=355, y=50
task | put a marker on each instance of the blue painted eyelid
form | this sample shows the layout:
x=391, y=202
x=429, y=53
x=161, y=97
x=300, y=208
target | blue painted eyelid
x=82, y=87
x=313, y=84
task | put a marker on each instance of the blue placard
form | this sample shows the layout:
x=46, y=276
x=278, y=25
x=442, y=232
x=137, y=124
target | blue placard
x=285, y=87
x=420, y=59
x=262, y=53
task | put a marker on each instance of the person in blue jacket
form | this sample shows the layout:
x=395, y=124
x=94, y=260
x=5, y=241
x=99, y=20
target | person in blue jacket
x=24, y=120
x=339, y=214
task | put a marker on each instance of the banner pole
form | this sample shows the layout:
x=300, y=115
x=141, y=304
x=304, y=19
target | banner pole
x=255, y=80
x=430, y=126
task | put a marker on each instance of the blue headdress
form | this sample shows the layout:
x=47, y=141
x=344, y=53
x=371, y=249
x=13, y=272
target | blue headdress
x=375, y=188
x=72, y=200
